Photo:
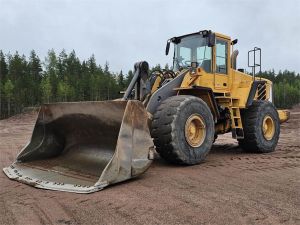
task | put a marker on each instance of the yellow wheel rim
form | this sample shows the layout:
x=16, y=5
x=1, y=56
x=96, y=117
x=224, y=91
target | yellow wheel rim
x=268, y=128
x=195, y=130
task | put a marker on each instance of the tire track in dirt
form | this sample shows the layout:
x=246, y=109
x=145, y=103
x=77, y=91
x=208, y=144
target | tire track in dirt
x=48, y=208
x=4, y=210
x=28, y=210
x=22, y=212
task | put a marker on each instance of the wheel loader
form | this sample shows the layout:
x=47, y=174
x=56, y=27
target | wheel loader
x=83, y=147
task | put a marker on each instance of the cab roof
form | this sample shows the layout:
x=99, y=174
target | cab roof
x=204, y=33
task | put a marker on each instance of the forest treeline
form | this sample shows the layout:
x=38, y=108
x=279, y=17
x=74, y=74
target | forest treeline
x=29, y=81
x=60, y=77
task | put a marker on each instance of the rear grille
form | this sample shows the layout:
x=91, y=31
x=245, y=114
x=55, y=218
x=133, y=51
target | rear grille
x=261, y=92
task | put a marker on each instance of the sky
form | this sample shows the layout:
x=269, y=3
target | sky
x=124, y=32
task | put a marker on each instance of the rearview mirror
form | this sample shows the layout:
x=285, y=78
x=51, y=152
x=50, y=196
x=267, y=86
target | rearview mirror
x=168, y=47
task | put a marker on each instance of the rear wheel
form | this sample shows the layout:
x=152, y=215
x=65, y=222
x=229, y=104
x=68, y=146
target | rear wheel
x=183, y=129
x=261, y=127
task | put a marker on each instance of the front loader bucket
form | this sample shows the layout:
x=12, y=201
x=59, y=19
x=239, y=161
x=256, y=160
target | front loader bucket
x=84, y=147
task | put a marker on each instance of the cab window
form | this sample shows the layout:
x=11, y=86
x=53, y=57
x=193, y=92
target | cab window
x=221, y=56
x=185, y=54
x=204, y=56
x=192, y=49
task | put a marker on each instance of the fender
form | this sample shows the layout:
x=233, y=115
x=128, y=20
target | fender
x=206, y=94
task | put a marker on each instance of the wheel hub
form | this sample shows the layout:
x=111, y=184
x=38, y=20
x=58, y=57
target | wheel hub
x=268, y=127
x=195, y=130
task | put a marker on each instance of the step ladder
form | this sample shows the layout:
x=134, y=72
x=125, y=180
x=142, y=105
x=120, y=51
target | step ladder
x=236, y=120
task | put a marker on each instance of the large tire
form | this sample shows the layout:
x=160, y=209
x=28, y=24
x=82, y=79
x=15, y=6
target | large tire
x=261, y=127
x=183, y=130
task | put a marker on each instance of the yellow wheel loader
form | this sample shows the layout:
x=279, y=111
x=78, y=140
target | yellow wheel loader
x=83, y=147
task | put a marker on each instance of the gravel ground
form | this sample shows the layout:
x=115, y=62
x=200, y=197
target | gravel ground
x=231, y=187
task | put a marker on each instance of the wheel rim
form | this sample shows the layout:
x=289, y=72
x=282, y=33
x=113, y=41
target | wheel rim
x=268, y=128
x=195, y=130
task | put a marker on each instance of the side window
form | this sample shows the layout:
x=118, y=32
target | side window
x=204, y=57
x=221, y=56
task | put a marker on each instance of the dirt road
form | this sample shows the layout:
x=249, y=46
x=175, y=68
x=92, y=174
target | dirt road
x=231, y=187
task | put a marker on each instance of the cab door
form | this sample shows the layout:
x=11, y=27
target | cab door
x=221, y=65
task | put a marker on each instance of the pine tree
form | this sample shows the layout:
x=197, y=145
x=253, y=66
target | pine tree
x=17, y=73
x=3, y=74
x=129, y=78
x=51, y=66
x=8, y=92
x=62, y=65
x=121, y=81
x=91, y=64
x=63, y=91
x=46, y=89
x=35, y=77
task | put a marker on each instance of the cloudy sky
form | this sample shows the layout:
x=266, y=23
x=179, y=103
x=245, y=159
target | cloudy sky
x=123, y=32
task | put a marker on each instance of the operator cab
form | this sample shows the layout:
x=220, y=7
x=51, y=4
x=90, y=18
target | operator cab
x=193, y=50
x=209, y=51
x=198, y=49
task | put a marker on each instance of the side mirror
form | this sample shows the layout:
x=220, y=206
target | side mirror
x=234, y=42
x=211, y=39
x=168, y=46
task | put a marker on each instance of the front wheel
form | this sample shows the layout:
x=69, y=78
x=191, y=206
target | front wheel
x=183, y=129
x=261, y=127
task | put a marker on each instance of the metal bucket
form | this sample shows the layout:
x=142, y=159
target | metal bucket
x=86, y=146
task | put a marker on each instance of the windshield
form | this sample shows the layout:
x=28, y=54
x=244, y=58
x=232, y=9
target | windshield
x=190, y=49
